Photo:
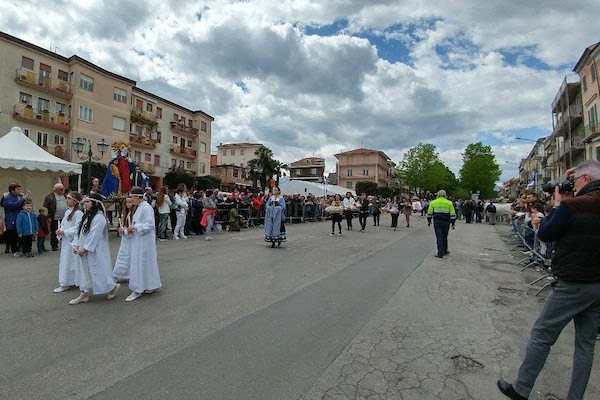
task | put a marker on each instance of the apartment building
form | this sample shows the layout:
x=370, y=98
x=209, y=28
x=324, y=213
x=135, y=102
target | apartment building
x=587, y=68
x=56, y=99
x=308, y=169
x=363, y=165
x=236, y=153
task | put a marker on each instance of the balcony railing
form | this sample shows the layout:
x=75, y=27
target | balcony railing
x=24, y=112
x=141, y=141
x=180, y=169
x=147, y=167
x=56, y=86
x=184, y=152
x=139, y=116
x=591, y=132
x=180, y=128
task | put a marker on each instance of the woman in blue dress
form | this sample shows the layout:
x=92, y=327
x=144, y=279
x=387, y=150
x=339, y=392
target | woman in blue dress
x=274, y=219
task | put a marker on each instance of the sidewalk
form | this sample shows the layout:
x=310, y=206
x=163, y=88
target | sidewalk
x=452, y=330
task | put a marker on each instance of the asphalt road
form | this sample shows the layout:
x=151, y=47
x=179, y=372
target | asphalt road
x=234, y=320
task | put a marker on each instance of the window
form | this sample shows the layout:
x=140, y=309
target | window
x=224, y=152
x=593, y=69
x=593, y=116
x=235, y=173
x=189, y=143
x=203, y=147
x=203, y=126
x=188, y=165
x=584, y=84
x=139, y=105
x=349, y=172
x=138, y=157
x=59, y=140
x=181, y=164
x=313, y=171
x=149, y=107
x=120, y=95
x=42, y=139
x=156, y=160
x=158, y=136
x=26, y=132
x=182, y=120
x=297, y=172
x=43, y=104
x=139, y=131
x=62, y=108
x=233, y=152
x=173, y=162
x=366, y=172
x=241, y=152
x=45, y=75
x=147, y=157
x=158, y=112
x=202, y=168
x=27, y=63
x=175, y=117
x=190, y=123
x=86, y=82
x=349, y=184
x=86, y=114
x=175, y=139
x=118, y=124
x=25, y=98
x=63, y=76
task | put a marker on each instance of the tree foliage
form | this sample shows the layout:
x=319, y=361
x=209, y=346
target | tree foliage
x=207, y=182
x=265, y=161
x=480, y=170
x=173, y=178
x=98, y=170
x=366, y=187
x=422, y=170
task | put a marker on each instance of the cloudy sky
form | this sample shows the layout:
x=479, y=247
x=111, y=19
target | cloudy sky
x=309, y=77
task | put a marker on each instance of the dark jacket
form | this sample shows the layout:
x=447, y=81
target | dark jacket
x=575, y=226
x=50, y=204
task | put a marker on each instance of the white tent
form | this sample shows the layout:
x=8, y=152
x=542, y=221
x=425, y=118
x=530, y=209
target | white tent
x=317, y=189
x=23, y=161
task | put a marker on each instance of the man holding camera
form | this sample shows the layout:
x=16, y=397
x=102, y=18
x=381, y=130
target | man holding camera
x=573, y=223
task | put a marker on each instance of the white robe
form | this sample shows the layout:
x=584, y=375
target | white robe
x=67, y=265
x=144, y=263
x=96, y=265
x=121, y=270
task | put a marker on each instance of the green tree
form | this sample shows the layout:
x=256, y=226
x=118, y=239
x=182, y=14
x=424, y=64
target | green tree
x=265, y=161
x=173, y=178
x=366, y=187
x=480, y=170
x=207, y=182
x=98, y=170
x=422, y=169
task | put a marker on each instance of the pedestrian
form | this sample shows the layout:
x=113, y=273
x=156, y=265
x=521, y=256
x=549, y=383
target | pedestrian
x=408, y=210
x=491, y=213
x=68, y=264
x=274, y=219
x=181, y=210
x=209, y=212
x=349, y=206
x=441, y=211
x=336, y=209
x=394, y=207
x=573, y=224
x=468, y=211
x=43, y=231
x=121, y=269
x=13, y=204
x=91, y=246
x=363, y=211
x=376, y=209
x=56, y=203
x=144, y=275
x=478, y=211
x=163, y=205
x=27, y=226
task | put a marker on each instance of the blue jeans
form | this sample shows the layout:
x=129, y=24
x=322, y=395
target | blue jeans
x=162, y=225
x=568, y=301
x=441, y=236
x=209, y=224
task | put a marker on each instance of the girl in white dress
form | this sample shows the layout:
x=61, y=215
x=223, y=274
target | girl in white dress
x=91, y=246
x=121, y=270
x=67, y=267
x=144, y=276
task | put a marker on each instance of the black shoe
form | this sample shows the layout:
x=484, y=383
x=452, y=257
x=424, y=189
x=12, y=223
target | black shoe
x=446, y=253
x=508, y=390
x=438, y=256
x=55, y=249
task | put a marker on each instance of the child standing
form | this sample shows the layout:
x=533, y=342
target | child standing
x=44, y=230
x=68, y=270
x=27, y=226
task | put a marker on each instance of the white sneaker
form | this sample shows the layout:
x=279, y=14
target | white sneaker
x=176, y=237
x=113, y=293
x=17, y=254
x=133, y=296
x=332, y=234
x=83, y=298
x=61, y=289
x=183, y=237
x=208, y=238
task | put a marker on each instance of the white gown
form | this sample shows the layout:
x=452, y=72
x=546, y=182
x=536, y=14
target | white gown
x=96, y=265
x=121, y=270
x=144, y=263
x=67, y=265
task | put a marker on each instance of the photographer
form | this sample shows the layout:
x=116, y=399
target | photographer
x=573, y=224
x=12, y=204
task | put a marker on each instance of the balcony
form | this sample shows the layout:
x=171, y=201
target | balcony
x=141, y=141
x=180, y=169
x=592, y=131
x=139, y=116
x=147, y=167
x=26, y=113
x=572, y=115
x=55, y=86
x=182, y=129
x=183, y=152
x=574, y=146
x=60, y=151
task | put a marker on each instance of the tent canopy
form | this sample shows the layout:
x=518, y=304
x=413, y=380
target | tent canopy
x=20, y=153
x=318, y=189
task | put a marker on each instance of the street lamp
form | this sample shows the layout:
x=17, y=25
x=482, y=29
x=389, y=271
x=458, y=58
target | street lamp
x=79, y=147
x=528, y=140
x=514, y=163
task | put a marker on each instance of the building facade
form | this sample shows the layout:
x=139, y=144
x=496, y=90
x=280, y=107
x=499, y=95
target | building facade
x=236, y=153
x=308, y=169
x=55, y=100
x=363, y=165
x=587, y=68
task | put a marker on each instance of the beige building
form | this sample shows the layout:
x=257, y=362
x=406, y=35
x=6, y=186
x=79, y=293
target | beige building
x=236, y=153
x=587, y=68
x=308, y=169
x=363, y=165
x=55, y=100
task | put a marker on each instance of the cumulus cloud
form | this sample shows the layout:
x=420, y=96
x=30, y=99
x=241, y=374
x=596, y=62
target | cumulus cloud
x=316, y=78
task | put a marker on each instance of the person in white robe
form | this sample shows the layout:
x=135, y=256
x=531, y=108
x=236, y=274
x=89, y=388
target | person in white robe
x=91, y=245
x=144, y=276
x=121, y=269
x=66, y=232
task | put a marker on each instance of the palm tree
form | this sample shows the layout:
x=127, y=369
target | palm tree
x=265, y=161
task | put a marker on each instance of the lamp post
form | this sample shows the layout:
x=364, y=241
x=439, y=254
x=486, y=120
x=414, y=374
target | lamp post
x=79, y=147
x=527, y=140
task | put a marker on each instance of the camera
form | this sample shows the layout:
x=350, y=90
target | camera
x=563, y=187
